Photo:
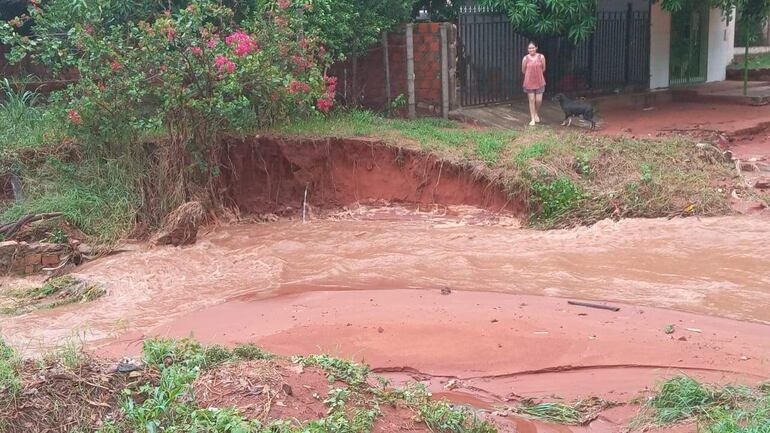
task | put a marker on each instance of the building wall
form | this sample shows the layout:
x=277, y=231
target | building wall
x=721, y=39
x=370, y=77
x=660, y=46
x=721, y=43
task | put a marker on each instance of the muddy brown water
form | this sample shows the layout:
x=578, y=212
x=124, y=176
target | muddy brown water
x=367, y=285
x=717, y=266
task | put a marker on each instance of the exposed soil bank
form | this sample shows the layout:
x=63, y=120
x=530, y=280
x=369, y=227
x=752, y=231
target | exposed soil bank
x=269, y=174
x=498, y=348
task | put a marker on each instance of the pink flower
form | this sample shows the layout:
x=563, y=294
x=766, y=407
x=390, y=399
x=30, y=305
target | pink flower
x=197, y=51
x=245, y=48
x=331, y=84
x=303, y=43
x=284, y=4
x=213, y=43
x=325, y=104
x=224, y=64
x=236, y=38
x=243, y=43
x=298, y=87
x=170, y=33
x=116, y=66
x=89, y=29
x=74, y=117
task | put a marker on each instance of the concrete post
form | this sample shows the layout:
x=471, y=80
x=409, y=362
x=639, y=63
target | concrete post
x=410, y=70
x=386, y=59
x=444, y=72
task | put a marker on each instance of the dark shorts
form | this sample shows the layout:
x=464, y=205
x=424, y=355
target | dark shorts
x=539, y=91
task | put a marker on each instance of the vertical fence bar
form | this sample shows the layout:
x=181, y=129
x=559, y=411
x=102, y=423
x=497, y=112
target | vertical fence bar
x=444, y=72
x=410, y=70
x=628, y=25
x=386, y=59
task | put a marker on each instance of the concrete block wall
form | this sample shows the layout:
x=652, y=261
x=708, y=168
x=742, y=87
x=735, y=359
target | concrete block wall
x=427, y=70
x=29, y=258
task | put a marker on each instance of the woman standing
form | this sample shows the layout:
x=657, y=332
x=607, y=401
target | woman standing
x=533, y=69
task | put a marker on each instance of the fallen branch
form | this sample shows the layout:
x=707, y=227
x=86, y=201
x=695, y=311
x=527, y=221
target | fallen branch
x=8, y=230
x=590, y=305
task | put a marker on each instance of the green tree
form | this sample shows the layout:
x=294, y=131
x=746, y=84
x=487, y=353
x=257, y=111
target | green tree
x=350, y=27
x=753, y=14
x=573, y=18
x=577, y=18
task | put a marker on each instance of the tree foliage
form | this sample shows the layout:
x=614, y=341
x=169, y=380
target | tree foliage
x=576, y=19
x=350, y=27
x=189, y=74
x=573, y=18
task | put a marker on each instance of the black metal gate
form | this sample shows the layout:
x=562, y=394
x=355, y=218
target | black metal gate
x=615, y=57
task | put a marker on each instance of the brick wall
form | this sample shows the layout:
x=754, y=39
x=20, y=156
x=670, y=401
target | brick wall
x=371, y=91
x=25, y=258
x=427, y=67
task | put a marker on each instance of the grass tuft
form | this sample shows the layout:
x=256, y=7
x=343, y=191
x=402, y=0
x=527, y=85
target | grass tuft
x=10, y=383
x=338, y=369
x=727, y=409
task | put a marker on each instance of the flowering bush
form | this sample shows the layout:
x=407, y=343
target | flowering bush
x=194, y=73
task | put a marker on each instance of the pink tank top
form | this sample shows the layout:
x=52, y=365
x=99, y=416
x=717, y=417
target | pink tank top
x=533, y=72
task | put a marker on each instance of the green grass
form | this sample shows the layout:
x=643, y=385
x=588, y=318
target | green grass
x=428, y=133
x=10, y=383
x=24, y=123
x=758, y=61
x=96, y=196
x=167, y=406
x=717, y=409
x=162, y=397
x=553, y=412
x=338, y=369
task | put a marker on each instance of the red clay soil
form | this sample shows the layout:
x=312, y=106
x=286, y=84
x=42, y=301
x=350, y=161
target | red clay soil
x=497, y=347
x=270, y=175
x=684, y=117
x=491, y=350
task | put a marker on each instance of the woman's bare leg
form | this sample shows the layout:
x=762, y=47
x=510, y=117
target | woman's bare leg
x=538, y=103
x=532, y=108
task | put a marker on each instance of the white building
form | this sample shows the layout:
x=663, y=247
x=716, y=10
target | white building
x=676, y=39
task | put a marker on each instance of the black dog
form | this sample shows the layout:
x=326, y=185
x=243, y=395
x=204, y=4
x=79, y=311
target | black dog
x=575, y=108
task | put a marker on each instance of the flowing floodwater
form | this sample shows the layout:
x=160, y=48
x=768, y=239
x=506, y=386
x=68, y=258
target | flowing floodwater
x=716, y=266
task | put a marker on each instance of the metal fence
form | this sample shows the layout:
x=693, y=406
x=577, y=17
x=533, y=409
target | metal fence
x=615, y=57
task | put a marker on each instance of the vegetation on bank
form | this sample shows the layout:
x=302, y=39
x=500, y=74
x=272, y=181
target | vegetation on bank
x=566, y=178
x=716, y=409
x=161, y=394
x=140, y=132
x=758, y=61
x=53, y=293
x=168, y=390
